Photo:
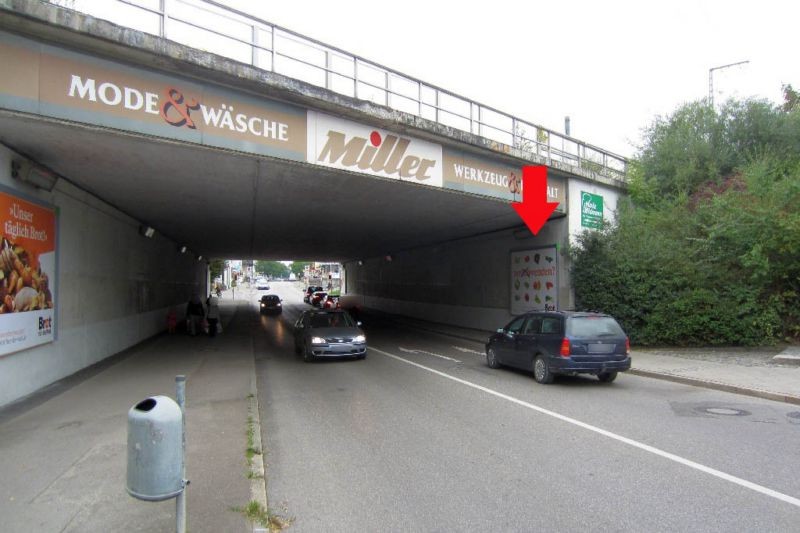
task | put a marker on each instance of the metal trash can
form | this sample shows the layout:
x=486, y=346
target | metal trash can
x=155, y=449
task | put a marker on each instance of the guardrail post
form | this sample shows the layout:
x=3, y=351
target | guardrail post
x=355, y=77
x=162, y=23
x=254, y=46
x=514, y=132
x=388, y=85
x=272, y=49
x=328, y=68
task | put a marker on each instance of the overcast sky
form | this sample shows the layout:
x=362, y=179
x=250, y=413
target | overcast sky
x=612, y=66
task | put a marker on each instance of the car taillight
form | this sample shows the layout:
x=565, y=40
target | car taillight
x=627, y=346
x=565, y=347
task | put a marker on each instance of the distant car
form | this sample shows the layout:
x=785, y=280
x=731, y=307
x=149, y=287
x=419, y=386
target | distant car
x=329, y=302
x=570, y=343
x=317, y=297
x=309, y=291
x=262, y=285
x=271, y=303
x=332, y=333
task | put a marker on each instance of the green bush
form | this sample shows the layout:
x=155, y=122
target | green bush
x=707, y=249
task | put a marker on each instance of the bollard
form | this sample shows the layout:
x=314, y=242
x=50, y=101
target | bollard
x=180, y=502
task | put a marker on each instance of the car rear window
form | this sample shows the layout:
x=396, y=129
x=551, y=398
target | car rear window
x=594, y=326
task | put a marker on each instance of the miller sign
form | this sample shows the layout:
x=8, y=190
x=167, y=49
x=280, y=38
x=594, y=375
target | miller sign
x=351, y=146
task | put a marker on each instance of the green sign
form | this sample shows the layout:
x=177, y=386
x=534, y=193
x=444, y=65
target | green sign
x=591, y=210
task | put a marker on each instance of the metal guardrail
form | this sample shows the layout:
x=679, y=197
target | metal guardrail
x=210, y=26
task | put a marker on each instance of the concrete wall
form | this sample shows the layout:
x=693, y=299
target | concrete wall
x=114, y=287
x=465, y=283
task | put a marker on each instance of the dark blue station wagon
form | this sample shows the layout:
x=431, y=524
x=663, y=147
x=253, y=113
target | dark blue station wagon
x=550, y=343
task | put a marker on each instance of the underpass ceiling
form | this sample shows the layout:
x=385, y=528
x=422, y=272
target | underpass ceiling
x=224, y=204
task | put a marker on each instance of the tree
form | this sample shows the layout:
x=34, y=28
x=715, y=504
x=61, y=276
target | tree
x=216, y=267
x=694, y=146
x=273, y=269
x=298, y=267
x=704, y=251
x=791, y=99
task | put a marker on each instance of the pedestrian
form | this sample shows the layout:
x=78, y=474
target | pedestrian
x=172, y=320
x=212, y=315
x=194, y=315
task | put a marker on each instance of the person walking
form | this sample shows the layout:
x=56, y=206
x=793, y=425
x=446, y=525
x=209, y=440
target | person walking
x=212, y=315
x=194, y=315
x=172, y=320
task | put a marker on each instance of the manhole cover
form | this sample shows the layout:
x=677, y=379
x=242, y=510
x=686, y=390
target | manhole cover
x=794, y=414
x=727, y=411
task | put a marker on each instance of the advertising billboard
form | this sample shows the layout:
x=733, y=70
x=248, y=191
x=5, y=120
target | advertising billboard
x=534, y=280
x=27, y=273
x=480, y=175
x=56, y=82
x=591, y=210
x=338, y=143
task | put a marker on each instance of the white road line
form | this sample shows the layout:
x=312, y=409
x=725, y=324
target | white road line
x=468, y=350
x=407, y=350
x=651, y=449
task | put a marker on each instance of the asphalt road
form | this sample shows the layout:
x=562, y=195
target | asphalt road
x=423, y=436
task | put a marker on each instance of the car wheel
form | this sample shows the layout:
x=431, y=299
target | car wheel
x=541, y=373
x=491, y=358
x=607, y=377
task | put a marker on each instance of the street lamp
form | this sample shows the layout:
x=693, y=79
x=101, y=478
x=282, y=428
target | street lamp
x=711, y=79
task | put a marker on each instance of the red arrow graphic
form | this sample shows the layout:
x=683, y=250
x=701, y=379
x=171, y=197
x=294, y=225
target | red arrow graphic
x=534, y=209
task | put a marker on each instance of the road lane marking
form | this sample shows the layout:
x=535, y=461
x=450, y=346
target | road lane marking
x=468, y=350
x=407, y=350
x=625, y=440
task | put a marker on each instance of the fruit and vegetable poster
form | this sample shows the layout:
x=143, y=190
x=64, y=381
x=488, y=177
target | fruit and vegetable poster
x=534, y=280
x=27, y=274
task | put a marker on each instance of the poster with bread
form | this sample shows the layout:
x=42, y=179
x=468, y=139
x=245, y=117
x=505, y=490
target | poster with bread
x=27, y=273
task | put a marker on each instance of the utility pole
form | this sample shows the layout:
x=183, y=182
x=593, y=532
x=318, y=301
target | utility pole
x=711, y=79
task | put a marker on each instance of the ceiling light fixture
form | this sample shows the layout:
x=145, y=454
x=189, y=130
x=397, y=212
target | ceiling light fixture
x=147, y=231
x=25, y=171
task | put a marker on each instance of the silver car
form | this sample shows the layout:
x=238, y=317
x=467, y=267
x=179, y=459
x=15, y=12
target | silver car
x=329, y=333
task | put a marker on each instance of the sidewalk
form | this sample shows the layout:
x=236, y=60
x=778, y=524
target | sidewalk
x=752, y=372
x=63, y=456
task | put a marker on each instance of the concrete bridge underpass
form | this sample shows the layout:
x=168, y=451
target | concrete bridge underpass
x=111, y=130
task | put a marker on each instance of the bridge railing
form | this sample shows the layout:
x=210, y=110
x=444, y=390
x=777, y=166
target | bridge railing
x=210, y=26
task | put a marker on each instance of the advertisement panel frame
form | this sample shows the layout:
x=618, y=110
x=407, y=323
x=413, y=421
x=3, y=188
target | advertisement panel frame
x=50, y=336
x=537, y=283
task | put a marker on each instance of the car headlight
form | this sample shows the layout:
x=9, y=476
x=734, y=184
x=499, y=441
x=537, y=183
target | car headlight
x=263, y=305
x=317, y=340
x=359, y=338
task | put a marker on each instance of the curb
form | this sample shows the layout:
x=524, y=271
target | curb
x=695, y=382
x=716, y=385
x=258, y=483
